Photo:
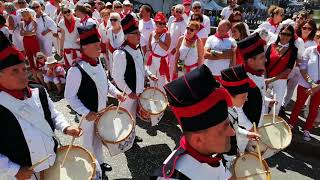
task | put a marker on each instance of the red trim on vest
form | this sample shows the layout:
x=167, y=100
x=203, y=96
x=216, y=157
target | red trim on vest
x=18, y=94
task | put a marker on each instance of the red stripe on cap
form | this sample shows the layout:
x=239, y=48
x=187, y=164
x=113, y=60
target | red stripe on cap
x=254, y=46
x=87, y=34
x=238, y=83
x=219, y=94
x=130, y=23
x=10, y=50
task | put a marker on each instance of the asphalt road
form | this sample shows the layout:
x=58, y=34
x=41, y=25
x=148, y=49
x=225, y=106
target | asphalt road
x=159, y=141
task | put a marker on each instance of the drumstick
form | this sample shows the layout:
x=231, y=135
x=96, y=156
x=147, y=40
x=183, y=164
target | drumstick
x=39, y=162
x=71, y=143
x=274, y=110
x=258, y=147
x=115, y=116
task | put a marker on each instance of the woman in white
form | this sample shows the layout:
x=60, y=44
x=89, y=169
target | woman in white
x=115, y=37
x=202, y=32
x=272, y=24
x=190, y=49
x=13, y=25
x=103, y=28
x=70, y=47
x=82, y=12
x=159, y=43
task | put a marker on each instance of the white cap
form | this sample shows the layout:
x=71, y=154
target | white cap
x=126, y=2
x=108, y=4
x=40, y=54
x=51, y=60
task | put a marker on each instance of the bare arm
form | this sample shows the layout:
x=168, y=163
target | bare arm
x=177, y=55
x=200, y=49
x=62, y=41
x=228, y=54
x=149, y=42
x=166, y=44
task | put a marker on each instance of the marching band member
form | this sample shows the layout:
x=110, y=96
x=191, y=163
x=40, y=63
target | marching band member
x=146, y=26
x=219, y=50
x=82, y=12
x=281, y=57
x=130, y=70
x=55, y=74
x=103, y=28
x=70, y=48
x=13, y=25
x=115, y=38
x=28, y=119
x=202, y=111
x=87, y=89
x=45, y=28
x=159, y=43
x=197, y=9
x=190, y=51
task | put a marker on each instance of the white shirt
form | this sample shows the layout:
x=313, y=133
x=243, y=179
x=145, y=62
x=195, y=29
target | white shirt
x=309, y=43
x=266, y=25
x=189, y=55
x=51, y=11
x=146, y=29
x=311, y=63
x=103, y=32
x=102, y=83
x=88, y=22
x=39, y=144
x=6, y=31
x=170, y=20
x=44, y=23
x=70, y=38
x=176, y=30
x=206, y=23
x=214, y=43
x=116, y=40
x=96, y=15
x=226, y=12
x=155, y=47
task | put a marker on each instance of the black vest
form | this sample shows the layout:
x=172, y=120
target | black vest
x=233, y=117
x=87, y=93
x=130, y=76
x=12, y=141
x=253, y=107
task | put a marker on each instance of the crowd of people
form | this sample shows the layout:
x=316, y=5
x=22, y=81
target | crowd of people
x=90, y=50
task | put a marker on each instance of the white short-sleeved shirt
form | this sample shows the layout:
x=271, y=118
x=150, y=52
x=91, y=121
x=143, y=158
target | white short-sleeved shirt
x=5, y=31
x=177, y=29
x=311, y=63
x=214, y=43
x=226, y=12
x=146, y=29
x=270, y=28
x=70, y=38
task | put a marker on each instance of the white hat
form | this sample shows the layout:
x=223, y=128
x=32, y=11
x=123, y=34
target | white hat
x=108, y=4
x=40, y=54
x=51, y=60
x=126, y=2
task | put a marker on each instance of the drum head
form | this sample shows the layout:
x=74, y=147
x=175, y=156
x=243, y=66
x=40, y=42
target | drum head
x=248, y=167
x=80, y=164
x=275, y=136
x=153, y=101
x=114, y=128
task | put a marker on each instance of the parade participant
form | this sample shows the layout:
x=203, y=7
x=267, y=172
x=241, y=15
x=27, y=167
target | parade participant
x=130, y=70
x=276, y=16
x=219, y=49
x=190, y=49
x=30, y=41
x=202, y=112
x=82, y=12
x=309, y=85
x=197, y=9
x=87, y=89
x=239, y=31
x=52, y=8
x=281, y=57
x=202, y=32
x=146, y=26
x=45, y=27
x=237, y=82
x=187, y=10
x=115, y=38
x=28, y=120
x=227, y=11
x=103, y=28
x=176, y=29
x=13, y=25
x=3, y=28
x=307, y=32
x=55, y=73
x=118, y=8
x=159, y=43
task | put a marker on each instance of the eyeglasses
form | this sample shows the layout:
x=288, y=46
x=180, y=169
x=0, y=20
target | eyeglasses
x=190, y=29
x=179, y=12
x=197, y=7
x=66, y=12
x=160, y=24
x=285, y=34
x=306, y=28
x=113, y=20
x=35, y=7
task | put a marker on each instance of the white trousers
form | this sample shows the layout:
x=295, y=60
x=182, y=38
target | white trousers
x=154, y=69
x=293, y=80
x=279, y=88
x=46, y=45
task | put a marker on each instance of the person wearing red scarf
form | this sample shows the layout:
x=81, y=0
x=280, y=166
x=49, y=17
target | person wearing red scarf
x=187, y=9
x=190, y=50
x=159, y=43
x=103, y=28
x=69, y=42
x=28, y=119
x=86, y=91
x=55, y=73
x=201, y=110
x=272, y=24
x=82, y=12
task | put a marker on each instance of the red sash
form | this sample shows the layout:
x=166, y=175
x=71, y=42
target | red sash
x=69, y=51
x=111, y=48
x=164, y=68
x=188, y=68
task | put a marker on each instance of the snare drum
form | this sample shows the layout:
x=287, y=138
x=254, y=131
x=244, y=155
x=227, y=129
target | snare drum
x=80, y=164
x=151, y=105
x=116, y=131
x=274, y=137
x=248, y=167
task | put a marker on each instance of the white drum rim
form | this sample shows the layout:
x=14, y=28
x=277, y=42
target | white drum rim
x=104, y=141
x=166, y=99
x=289, y=132
x=62, y=148
x=264, y=163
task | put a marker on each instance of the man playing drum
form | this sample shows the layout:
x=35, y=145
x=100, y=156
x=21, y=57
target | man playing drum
x=28, y=119
x=87, y=88
x=129, y=64
x=202, y=111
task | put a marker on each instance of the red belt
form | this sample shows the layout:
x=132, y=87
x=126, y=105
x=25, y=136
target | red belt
x=188, y=68
x=69, y=51
x=111, y=49
x=103, y=48
x=164, y=68
x=217, y=78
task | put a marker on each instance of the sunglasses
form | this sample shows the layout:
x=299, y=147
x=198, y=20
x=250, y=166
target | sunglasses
x=160, y=24
x=187, y=4
x=190, y=29
x=35, y=7
x=118, y=7
x=113, y=20
x=179, y=12
x=66, y=12
x=196, y=7
x=286, y=34
x=307, y=28
x=40, y=57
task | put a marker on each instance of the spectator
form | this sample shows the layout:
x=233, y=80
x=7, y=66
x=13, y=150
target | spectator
x=227, y=11
x=239, y=31
x=55, y=74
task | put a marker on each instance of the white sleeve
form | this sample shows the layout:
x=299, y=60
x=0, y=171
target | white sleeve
x=208, y=45
x=8, y=167
x=243, y=120
x=113, y=90
x=72, y=86
x=51, y=25
x=118, y=75
x=304, y=62
x=242, y=132
x=223, y=12
x=207, y=24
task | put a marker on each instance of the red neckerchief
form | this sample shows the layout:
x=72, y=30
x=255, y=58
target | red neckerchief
x=105, y=24
x=70, y=25
x=135, y=47
x=14, y=13
x=318, y=48
x=178, y=20
x=253, y=72
x=84, y=19
x=272, y=23
x=92, y=62
x=201, y=27
x=18, y=94
x=212, y=161
x=187, y=13
x=192, y=40
x=221, y=37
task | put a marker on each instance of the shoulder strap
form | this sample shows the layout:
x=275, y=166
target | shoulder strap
x=45, y=106
x=44, y=21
